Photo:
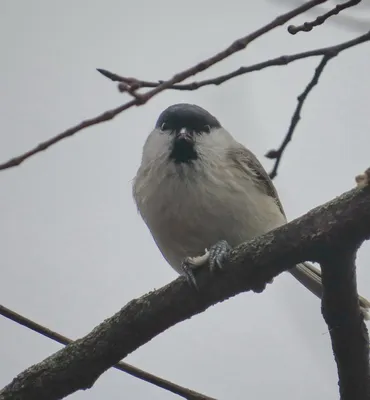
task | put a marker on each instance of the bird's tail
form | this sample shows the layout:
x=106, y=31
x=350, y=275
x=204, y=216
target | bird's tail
x=310, y=277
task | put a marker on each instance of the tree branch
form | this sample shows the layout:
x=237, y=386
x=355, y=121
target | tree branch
x=251, y=266
x=308, y=26
x=278, y=154
x=348, y=332
x=236, y=46
x=340, y=308
x=128, y=368
x=133, y=84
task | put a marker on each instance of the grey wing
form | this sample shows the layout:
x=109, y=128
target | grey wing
x=247, y=161
x=308, y=275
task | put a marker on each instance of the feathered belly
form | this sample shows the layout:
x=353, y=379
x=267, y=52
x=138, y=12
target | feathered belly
x=188, y=216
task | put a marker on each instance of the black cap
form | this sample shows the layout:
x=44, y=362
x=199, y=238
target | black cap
x=185, y=115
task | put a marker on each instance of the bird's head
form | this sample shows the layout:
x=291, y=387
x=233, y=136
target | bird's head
x=183, y=125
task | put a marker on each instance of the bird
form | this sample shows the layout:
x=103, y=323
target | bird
x=198, y=188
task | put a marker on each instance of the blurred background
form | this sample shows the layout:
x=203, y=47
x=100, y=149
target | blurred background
x=73, y=248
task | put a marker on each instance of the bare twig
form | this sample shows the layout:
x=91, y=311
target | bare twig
x=130, y=369
x=250, y=266
x=308, y=26
x=235, y=47
x=341, y=311
x=133, y=84
x=277, y=154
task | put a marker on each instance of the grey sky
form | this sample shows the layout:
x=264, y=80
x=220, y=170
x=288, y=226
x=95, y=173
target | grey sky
x=74, y=249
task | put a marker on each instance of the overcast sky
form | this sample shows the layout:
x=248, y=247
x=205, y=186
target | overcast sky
x=74, y=250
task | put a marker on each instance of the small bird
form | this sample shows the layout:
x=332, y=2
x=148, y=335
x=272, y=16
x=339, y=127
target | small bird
x=197, y=188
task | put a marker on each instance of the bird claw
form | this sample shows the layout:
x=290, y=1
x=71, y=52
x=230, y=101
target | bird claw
x=215, y=256
x=218, y=254
x=187, y=267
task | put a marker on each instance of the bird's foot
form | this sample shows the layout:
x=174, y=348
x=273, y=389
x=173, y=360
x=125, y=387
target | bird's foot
x=189, y=264
x=215, y=256
x=218, y=254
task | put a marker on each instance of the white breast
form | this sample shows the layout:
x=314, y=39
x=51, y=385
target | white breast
x=190, y=207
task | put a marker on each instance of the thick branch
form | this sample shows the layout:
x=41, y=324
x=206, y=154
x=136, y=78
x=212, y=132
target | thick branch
x=348, y=332
x=124, y=367
x=139, y=99
x=252, y=265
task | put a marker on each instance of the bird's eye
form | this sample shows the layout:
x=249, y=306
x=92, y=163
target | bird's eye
x=164, y=127
x=206, y=129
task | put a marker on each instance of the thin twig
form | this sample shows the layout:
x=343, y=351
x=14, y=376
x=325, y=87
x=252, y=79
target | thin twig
x=135, y=84
x=308, y=26
x=235, y=47
x=278, y=154
x=130, y=369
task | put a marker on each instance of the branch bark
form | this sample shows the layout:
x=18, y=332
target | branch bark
x=348, y=332
x=251, y=266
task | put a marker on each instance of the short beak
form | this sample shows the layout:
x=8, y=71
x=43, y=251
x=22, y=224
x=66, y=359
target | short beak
x=184, y=134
